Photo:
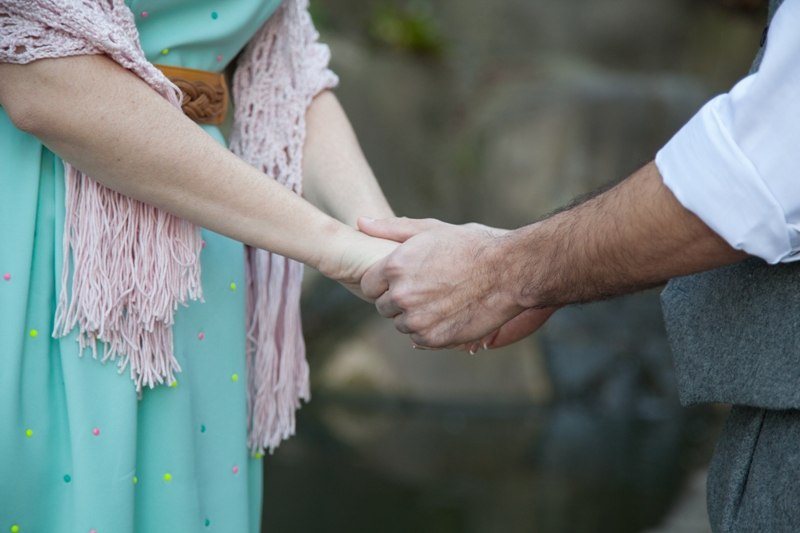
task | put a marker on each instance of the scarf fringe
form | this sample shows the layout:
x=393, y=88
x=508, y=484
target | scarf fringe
x=133, y=265
x=277, y=368
x=279, y=74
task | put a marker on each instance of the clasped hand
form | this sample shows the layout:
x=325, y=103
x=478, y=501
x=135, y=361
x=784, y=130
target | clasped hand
x=448, y=286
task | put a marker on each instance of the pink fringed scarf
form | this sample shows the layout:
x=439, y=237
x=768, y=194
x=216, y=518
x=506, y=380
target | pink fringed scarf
x=132, y=264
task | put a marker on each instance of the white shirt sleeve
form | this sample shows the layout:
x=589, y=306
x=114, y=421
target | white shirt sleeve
x=736, y=163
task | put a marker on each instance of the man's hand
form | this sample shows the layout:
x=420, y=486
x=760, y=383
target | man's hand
x=445, y=286
x=450, y=285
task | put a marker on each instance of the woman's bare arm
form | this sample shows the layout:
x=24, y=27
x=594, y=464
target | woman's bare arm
x=115, y=128
x=336, y=175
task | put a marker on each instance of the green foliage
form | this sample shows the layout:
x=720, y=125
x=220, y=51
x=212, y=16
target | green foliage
x=319, y=15
x=410, y=27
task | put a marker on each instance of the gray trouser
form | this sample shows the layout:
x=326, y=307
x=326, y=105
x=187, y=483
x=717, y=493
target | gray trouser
x=754, y=481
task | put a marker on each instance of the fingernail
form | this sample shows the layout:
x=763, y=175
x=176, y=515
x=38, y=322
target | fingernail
x=367, y=219
x=485, y=345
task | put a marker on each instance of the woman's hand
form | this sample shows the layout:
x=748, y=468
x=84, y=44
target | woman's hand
x=349, y=256
x=519, y=327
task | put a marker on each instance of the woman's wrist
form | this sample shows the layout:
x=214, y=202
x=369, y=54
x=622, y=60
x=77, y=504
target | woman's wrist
x=326, y=243
x=336, y=244
x=348, y=253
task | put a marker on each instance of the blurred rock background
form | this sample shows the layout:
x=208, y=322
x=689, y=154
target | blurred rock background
x=500, y=112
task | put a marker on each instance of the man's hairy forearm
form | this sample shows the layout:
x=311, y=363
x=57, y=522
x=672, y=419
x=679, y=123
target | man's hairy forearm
x=631, y=237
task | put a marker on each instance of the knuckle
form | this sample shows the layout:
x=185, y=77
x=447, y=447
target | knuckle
x=403, y=299
x=413, y=324
x=369, y=289
x=394, y=263
x=401, y=325
x=384, y=306
x=430, y=340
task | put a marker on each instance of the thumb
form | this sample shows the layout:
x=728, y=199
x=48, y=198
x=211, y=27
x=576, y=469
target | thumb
x=398, y=229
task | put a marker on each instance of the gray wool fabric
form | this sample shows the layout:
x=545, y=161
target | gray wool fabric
x=735, y=336
x=755, y=473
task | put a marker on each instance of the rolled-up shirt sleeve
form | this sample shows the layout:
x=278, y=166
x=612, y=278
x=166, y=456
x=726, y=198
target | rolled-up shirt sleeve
x=736, y=163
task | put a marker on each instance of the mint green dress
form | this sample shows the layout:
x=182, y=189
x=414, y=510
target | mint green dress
x=79, y=452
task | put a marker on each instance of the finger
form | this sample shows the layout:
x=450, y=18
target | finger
x=473, y=347
x=400, y=325
x=396, y=229
x=421, y=340
x=520, y=327
x=387, y=307
x=416, y=346
x=374, y=282
x=489, y=340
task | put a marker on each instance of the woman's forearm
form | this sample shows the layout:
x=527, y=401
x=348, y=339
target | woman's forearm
x=116, y=129
x=336, y=175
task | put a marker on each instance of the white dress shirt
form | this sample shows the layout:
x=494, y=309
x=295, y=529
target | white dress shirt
x=736, y=163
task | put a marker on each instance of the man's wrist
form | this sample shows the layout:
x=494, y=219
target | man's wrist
x=522, y=278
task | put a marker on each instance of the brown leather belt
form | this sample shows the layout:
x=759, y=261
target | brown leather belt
x=205, y=94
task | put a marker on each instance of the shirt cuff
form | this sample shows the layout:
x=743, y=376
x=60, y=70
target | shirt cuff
x=711, y=177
